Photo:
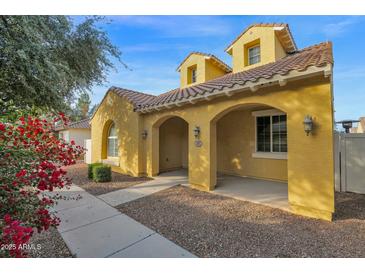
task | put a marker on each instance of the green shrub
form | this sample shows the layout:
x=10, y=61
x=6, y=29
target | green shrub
x=90, y=168
x=102, y=173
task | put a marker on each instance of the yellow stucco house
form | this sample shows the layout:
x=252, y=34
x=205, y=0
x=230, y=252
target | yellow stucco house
x=270, y=116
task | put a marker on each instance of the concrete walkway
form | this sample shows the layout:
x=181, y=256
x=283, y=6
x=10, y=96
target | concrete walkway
x=161, y=182
x=91, y=228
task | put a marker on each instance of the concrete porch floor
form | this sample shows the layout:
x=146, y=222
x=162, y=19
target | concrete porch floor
x=180, y=175
x=270, y=193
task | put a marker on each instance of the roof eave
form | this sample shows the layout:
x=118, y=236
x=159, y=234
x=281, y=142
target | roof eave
x=208, y=57
x=114, y=89
x=277, y=79
x=275, y=28
x=286, y=38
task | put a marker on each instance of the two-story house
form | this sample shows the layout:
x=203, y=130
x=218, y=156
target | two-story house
x=270, y=116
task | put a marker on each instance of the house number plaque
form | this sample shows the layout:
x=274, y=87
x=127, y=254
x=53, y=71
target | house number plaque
x=198, y=143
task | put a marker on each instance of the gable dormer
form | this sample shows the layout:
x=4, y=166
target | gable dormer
x=199, y=67
x=260, y=44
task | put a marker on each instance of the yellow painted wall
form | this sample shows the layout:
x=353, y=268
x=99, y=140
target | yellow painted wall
x=212, y=71
x=270, y=48
x=173, y=144
x=279, y=50
x=236, y=144
x=206, y=70
x=310, y=158
x=128, y=124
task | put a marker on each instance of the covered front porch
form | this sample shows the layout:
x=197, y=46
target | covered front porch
x=252, y=138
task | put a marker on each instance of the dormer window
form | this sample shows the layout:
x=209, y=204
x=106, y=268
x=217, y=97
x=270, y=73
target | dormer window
x=254, y=55
x=192, y=74
x=200, y=67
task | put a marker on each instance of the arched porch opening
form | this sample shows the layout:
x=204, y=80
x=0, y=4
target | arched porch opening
x=251, y=154
x=170, y=145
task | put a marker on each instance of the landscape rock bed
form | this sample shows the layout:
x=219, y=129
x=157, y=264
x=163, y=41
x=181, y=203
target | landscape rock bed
x=210, y=225
x=78, y=174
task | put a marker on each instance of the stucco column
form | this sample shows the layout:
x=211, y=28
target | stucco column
x=202, y=155
x=152, y=152
x=310, y=158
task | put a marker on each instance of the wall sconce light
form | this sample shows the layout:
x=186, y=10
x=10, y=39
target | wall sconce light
x=144, y=134
x=197, y=132
x=308, y=124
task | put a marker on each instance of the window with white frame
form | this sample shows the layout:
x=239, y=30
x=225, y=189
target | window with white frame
x=254, y=56
x=112, y=142
x=271, y=132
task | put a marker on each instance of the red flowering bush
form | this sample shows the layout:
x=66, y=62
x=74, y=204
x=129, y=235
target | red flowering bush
x=31, y=161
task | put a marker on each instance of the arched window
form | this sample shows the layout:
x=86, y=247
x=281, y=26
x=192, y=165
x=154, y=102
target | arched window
x=112, y=142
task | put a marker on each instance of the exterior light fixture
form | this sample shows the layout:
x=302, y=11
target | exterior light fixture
x=197, y=132
x=144, y=134
x=308, y=124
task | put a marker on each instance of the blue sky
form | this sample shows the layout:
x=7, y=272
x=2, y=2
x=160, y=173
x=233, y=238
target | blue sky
x=153, y=47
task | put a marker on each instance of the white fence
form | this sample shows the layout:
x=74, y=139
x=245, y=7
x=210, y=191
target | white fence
x=350, y=162
x=87, y=156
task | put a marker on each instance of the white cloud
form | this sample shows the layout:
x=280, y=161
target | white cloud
x=178, y=26
x=338, y=28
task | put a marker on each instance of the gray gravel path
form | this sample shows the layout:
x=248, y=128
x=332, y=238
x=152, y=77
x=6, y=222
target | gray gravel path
x=48, y=244
x=210, y=225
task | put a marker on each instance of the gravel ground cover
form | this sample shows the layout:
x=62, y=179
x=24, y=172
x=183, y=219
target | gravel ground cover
x=48, y=244
x=78, y=173
x=210, y=225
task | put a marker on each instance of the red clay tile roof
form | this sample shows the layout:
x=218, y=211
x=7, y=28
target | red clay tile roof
x=286, y=26
x=318, y=55
x=135, y=97
x=215, y=58
x=85, y=123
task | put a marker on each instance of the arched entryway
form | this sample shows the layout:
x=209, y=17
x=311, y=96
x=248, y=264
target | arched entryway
x=170, y=152
x=251, y=154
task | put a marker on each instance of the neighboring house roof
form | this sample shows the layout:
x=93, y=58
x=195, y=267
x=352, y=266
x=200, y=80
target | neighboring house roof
x=317, y=56
x=85, y=123
x=208, y=55
x=283, y=31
